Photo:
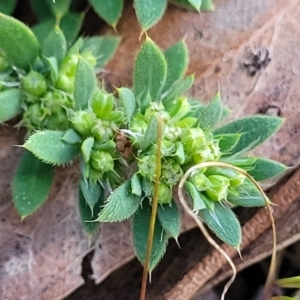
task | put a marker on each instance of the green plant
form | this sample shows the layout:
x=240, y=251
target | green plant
x=159, y=133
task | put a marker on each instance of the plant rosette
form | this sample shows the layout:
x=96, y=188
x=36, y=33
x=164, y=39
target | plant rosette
x=158, y=133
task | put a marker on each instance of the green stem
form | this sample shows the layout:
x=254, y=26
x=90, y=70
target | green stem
x=154, y=209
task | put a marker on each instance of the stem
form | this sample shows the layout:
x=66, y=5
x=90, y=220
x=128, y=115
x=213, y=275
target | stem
x=207, y=235
x=154, y=209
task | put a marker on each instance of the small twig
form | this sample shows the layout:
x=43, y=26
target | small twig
x=207, y=235
x=154, y=210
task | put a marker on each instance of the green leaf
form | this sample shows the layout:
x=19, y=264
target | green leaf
x=198, y=203
x=223, y=222
x=177, y=58
x=136, y=187
x=290, y=282
x=7, y=6
x=150, y=134
x=140, y=230
x=85, y=84
x=41, y=9
x=196, y=4
x=71, y=137
x=49, y=147
x=179, y=154
x=178, y=88
x=109, y=11
x=58, y=7
x=254, y=131
x=42, y=29
x=91, y=192
x=212, y=114
x=15, y=39
x=87, y=216
x=31, y=184
x=150, y=72
x=86, y=148
x=10, y=104
x=103, y=48
x=55, y=44
x=227, y=141
x=127, y=97
x=149, y=12
x=169, y=217
x=70, y=25
x=207, y=5
x=264, y=169
x=246, y=195
x=120, y=205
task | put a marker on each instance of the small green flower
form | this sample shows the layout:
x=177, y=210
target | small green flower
x=102, y=161
x=83, y=122
x=164, y=193
x=34, y=84
x=218, y=189
x=147, y=166
x=102, y=104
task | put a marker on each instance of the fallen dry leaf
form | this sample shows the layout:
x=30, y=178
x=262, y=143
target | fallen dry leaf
x=41, y=257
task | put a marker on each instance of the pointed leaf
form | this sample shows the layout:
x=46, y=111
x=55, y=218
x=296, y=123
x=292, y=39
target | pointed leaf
x=290, y=282
x=10, y=104
x=136, y=186
x=16, y=38
x=42, y=29
x=58, y=7
x=177, y=58
x=140, y=230
x=55, y=44
x=212, y=114
x=196, y=4
x=91, y=192
x=198, y=202
x=120, y=205
x=102, y=48
x=227, y=141
x=86, y=148
x=85, y=83
x=31, y=184
x=127, y=97
x=179, y=154
x=49, y=147
x=7, y=6
x=223, y=222
x=264, y=169
x=109, y=11
x=70, y=25
x=246, y=195
x=149, y=12
x=254, y=130
x=149, y=72
x=89, y=224
x=169, y=217
x=207, y=5
x=150, y=134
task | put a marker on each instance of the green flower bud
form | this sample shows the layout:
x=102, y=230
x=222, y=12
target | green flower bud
x=69, y=65
x=101, y=132
x=57, y=120
x=34, y=114
x=172, y=133
x=180, y=109
x=94, y=175
x=193, y=139
x=116, y=117
x=102, y=161
x=83, y=122
x=164, y=193
x=235, y=178
x=200, y=181
x=138, y=124
x=219, y=187
x=89, y=57
x=187, y=122
x=102, y=104
x=65, y=83
x=34, y=84
x=147, y=166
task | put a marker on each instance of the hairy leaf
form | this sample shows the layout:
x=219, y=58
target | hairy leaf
x=71, y=137
x=140, y=230
x=149, y=12
x=91, y=192
x=149, y=77
x=212, y=114
x=198, y=202
x=264, y=169
x=18, y=42
x=55, y=44
x=127, y=97
x=136, y=187
x=227, y=141
x=31, y=184
x=49, y=147
x=109, y=11
x=177, y=58
x=86, y=148
x=254, y=130
x=150, y=134
x=85, y=83
x=169, y=218
x=120, y=205
x=10, y=104
x=223, y=222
